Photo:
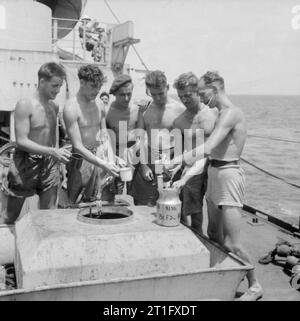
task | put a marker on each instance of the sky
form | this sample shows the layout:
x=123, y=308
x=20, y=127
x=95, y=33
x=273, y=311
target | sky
x=255, y=45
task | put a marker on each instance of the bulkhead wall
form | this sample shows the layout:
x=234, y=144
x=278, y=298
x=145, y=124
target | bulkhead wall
x=26, y=25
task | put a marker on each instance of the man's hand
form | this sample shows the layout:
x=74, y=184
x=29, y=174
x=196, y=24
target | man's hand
x=170, y=171
x=147, y=173
x=143, y=104
x=120, y=162
x=61, y=154
x=111, y=169
x=179, y=184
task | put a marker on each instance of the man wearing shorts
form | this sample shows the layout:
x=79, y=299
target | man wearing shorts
x=121, y=120
x=35, y=165
x=196, y=124
x=157, y=121
x=93, y=160
x=226, y=180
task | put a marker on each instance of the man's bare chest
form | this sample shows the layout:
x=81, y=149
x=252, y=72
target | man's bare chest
x=115, y=116
x=89, y=119
x=43, y=119
x=159, y=119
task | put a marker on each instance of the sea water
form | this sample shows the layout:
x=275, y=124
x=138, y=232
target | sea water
x=272, y=117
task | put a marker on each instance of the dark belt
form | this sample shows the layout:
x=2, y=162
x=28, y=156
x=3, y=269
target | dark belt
x=128, y=145
x=219, y=163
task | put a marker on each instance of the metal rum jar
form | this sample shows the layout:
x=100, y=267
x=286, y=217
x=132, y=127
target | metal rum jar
x=168, y=207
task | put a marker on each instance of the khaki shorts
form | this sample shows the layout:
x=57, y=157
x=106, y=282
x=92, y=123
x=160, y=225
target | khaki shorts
x=226, y=185
x=31, y=174
x=83, y=178
x=145, y=192
x=192, y=194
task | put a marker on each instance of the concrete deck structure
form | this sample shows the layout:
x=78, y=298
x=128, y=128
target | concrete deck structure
x=54, y=247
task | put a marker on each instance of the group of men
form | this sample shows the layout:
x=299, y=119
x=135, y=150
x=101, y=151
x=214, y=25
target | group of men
x=207, y=127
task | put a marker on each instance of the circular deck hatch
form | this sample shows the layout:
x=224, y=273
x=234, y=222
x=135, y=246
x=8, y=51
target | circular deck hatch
x=108, y=215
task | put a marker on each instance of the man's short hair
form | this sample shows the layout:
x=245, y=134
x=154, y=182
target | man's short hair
x=91, y=73
x=212, y=88
x=104, y=93
x=213, y=76
x=51, y=69
x=156, y=80
x=185, y=80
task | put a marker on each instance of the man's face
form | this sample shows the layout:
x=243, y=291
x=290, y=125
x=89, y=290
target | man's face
x=123, y=95
x=207, y=94
x=90, y=89
x=159, y=95
x=51, y=87
x=189, y=97
x=105, y=99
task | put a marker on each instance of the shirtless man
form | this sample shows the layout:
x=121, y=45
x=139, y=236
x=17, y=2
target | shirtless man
x=196, y=124
x=159, y=116
x=35, y=165
x=121, y=119
x=122, y=110
x=226, y=179
x=93, y=159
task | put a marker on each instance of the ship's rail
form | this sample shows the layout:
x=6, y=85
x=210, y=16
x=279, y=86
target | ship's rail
x=81, y=40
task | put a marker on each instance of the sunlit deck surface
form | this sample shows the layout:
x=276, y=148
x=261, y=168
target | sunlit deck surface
x=259, y=240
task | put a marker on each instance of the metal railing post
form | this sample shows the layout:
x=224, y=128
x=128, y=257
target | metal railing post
x=12, y=126
x=84, y=39
x=73, y=43
x=55, y=35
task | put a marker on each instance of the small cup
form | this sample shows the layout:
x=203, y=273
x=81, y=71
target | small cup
x=126, y=174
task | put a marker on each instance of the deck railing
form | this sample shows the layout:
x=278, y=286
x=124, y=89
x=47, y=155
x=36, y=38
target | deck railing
x=77, y=40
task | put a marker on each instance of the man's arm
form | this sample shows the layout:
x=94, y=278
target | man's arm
x=208, y=122
x=146, y=171
x=196, y=169
x=141, y=125
x=23, y=113
x=71, y=122
x=226, y=122
x=103, y=126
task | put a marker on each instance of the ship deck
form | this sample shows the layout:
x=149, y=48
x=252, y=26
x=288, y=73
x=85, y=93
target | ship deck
x=259, y=240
